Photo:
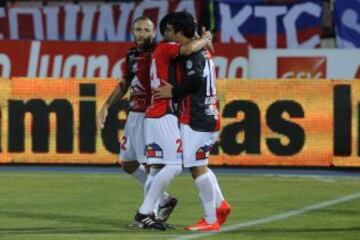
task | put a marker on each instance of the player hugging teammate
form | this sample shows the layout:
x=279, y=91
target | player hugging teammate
x=176, y=85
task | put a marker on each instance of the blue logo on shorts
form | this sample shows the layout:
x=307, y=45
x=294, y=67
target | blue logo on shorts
x=153, y=150
x=203, y=153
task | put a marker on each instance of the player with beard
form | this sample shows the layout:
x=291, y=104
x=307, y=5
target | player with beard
x=136, y=77
x=162, y=134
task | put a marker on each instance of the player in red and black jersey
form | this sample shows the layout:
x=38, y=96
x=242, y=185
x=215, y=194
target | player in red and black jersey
x=162, y=134
x=196, y=91
x=199, y=123
x=136, y=77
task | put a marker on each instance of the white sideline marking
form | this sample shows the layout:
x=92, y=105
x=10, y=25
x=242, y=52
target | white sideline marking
x=276, y=217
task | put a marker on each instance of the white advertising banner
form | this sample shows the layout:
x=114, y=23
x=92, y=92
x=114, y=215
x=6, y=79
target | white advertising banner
x=305, y=64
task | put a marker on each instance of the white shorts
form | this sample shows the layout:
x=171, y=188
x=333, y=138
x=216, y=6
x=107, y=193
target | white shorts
x=196, y=146
x=162, y=140
x=132, y=144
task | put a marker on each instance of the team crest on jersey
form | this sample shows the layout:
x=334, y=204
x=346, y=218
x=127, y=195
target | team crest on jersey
x=202, y=153
x=153, y=150
x=189, y=64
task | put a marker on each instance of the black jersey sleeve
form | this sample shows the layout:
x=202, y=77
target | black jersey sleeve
x=193, y=66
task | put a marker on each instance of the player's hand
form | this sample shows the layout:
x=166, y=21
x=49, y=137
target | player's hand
x=209, y=45
x=101, y=117
x=196, y=35
x=207, y=36
x=165, y=91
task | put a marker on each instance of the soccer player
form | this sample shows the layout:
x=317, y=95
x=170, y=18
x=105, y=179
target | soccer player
x=136, y=76
x=162, y=134
x=199, y=121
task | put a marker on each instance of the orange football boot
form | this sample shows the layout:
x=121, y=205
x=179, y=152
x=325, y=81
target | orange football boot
x=223, y=212
x=203, y=226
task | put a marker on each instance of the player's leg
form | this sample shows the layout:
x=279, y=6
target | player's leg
x=165, y=198
x=219, y=197
x=161, y=136
x=130, y=160
x=206, y=190
x=166, y=202
x=223, y=208
x=146, y=211
x=160, y=183
x=135, y=169
x=151, y=175
x=196, y=150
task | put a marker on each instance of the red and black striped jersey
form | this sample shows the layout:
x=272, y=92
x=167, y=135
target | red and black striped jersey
x=199, y=106
x=136, y=70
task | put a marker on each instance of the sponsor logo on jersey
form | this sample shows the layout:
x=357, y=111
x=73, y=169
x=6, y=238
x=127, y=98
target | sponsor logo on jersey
x=153, y=150
x=134, y=68
x=202, y=153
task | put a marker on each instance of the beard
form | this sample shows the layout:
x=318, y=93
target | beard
x=145, y=43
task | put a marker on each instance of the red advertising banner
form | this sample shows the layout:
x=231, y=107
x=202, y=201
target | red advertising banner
x=301, y=67
x=305, y=64
x=95, y=59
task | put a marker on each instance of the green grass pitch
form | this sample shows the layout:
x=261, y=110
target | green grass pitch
x=72, y=206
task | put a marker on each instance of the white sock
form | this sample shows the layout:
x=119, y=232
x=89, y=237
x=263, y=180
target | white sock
x=219, y=197
x=158, y=186
x=206, y=194
x=148, y=182
x=140, y=175
x=163, y=197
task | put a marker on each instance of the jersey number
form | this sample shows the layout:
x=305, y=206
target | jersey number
x=179, y=148
x=209, y=74
x=123, y=143
x=155, y=81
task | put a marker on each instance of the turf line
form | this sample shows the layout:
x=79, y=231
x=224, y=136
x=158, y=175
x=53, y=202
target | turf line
x=274, y=218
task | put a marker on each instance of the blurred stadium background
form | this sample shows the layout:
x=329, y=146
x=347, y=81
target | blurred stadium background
x=288, y=82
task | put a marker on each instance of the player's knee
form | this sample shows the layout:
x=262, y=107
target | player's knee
x=198, y=171
x=130, y=167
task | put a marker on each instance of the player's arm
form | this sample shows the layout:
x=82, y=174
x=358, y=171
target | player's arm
x=118, y=93
x=189, y=86
x=176, y=91
x=192, y=82
x=210, y=45
x=196, y=45
x=194, y=66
